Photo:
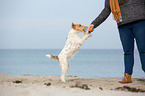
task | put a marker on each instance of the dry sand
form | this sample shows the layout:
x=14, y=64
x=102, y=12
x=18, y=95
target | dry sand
x=36, y=86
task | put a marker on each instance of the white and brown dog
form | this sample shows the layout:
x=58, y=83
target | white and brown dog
x=73, y=44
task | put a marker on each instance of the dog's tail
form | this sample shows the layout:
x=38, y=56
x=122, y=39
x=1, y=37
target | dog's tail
x=52, y=57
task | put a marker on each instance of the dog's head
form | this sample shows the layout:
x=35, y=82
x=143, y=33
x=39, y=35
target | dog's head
x=79, y=27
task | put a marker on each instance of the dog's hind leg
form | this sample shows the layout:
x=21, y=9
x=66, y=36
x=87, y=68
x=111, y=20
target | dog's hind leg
x=64, y=69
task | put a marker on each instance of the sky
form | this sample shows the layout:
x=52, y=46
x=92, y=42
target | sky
x=44, y=24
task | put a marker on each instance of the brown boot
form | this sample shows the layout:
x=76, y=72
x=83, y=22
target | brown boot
x=127, y=79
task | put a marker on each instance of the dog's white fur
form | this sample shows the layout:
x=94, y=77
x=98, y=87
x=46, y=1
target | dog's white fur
x=73, y=44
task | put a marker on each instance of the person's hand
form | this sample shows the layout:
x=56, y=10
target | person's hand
x=91, y=28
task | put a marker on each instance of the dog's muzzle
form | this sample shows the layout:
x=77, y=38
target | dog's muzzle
x=84, y=30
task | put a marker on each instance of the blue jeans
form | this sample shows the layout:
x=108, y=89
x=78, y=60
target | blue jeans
x=129, y=33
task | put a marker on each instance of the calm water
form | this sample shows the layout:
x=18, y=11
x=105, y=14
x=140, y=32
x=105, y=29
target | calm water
x=88, y=63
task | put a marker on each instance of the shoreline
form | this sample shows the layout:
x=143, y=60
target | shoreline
x=32, y=85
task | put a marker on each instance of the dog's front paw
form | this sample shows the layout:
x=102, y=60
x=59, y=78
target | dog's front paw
x=88, y=35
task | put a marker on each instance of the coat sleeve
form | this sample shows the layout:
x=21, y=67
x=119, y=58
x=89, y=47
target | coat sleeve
x=103, y=15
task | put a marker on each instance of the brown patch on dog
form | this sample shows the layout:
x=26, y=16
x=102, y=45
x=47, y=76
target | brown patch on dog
x=79, y=27
x=54, y=57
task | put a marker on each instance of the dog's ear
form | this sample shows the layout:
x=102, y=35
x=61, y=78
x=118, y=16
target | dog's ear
x=73, y=25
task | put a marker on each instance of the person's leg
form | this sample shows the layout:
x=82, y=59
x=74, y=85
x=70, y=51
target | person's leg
x=127, y=40
x=139, y=33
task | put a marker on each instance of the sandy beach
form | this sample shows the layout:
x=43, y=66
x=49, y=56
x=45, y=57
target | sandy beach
x=29, y=85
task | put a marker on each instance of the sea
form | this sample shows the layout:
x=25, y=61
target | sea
x=87, y=63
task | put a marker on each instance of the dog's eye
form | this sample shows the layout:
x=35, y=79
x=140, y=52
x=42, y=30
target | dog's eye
x=80, y=25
